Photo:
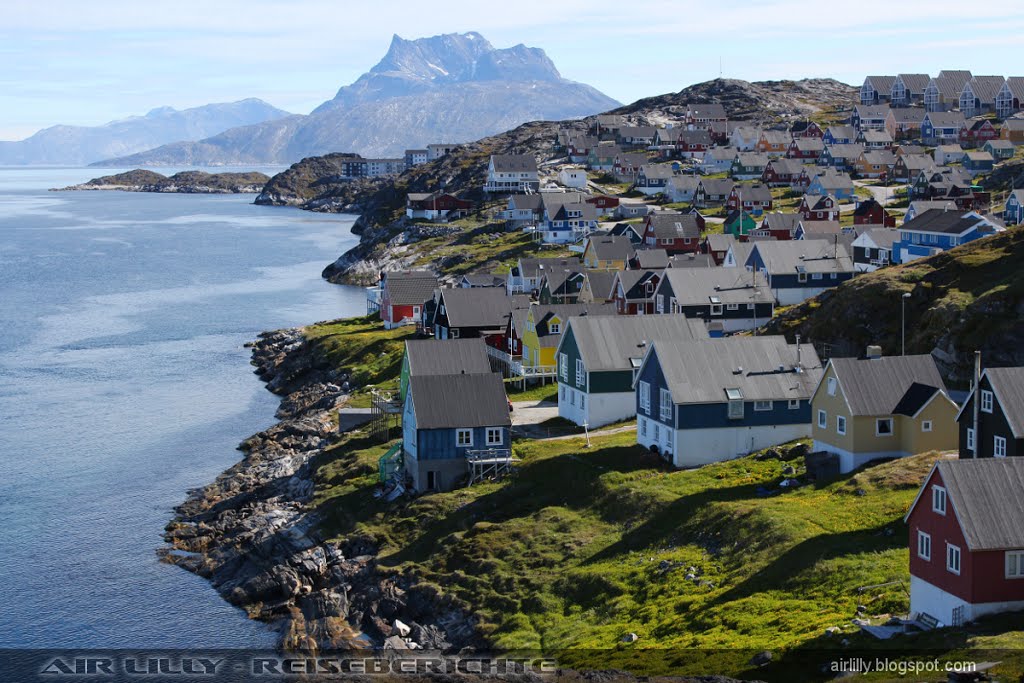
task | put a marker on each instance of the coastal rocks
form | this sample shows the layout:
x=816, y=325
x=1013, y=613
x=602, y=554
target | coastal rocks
x=185, y=182
x=254, y=535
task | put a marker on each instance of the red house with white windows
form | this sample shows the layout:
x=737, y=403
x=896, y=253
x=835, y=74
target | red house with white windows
x=967, y=541
x=403, y=293
x=822, y=207
x=676, y=233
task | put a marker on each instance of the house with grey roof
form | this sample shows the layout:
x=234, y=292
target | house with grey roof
x=876, y=89
x=1010, y=97
x=737, y=299
x=447, y=421
x=882, y=407
x=999, y=430
x=598, y=357
x=425, y=357
x=979, y=95
x=943, y=91
x=706, y=401
x=403, y=294
x=507, y=173
x=967, y=541
x=872, y=249
x=908, y=89
x=797, y=270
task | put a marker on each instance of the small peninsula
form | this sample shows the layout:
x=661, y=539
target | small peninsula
x=185, y=182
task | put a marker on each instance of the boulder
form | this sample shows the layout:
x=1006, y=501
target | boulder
x=761, y=658
x=401, y=628
x=629, y=638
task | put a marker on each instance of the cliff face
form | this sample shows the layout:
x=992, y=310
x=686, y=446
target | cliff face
x=80, y=145
x=447, y=88
x=966, y=299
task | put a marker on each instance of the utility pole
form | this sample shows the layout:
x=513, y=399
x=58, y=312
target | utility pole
x=903, y=323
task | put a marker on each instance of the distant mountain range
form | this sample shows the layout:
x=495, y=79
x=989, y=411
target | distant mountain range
x=448, y=88
x=80, y=145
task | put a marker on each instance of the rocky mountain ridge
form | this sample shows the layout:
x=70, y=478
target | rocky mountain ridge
x=82, y=145
x=448, y=88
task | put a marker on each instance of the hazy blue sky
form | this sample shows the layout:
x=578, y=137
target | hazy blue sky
x=85, y=63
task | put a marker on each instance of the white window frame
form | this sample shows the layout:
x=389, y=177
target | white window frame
x=999, y=447
x=458, y=438
x=926, y=426
x=794, y=404
x=970, y=439
x=763, y=406
x=801, y=277
x=822, y=419
x=665, y=405
x=732, y=307
x=499, y=440
x=716, y=309
x=1014, y=564
x=841, y=424
x=831, y=386
x=555, y=328
x=645, y=397
x=583, y=401
x=561, y=391
x=878, y=423
x=939, y=500
x=453, y=332
x=987, y=399
x=643, y=427
x=953, y=559
x=581, y=373
x=563, y=366
x=924, y=545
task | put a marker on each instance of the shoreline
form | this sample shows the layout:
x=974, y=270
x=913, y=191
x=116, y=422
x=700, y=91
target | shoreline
x=253, y=534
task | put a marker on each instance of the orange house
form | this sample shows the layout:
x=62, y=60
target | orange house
x=773, y=142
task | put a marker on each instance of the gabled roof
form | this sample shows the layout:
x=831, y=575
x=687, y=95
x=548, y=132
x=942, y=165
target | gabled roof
x=882, y=84
x=446, y=357
x=484, y=279
x=633, y=283
x=776, y=137
x=706, y=110
x=882, y=238
x=946, y=119
x=694, y=287
x=1008, y=385
x=841, y=132
x=755, y=159
x=615, y=343
x=879, y=157
x=561, y=281
x=482, y=307
x=670, y=225
x=601, y=282
x=541, y=313
x=691, y=260
x=611, y=248
x=951, y=83
x=985, y=88
x=985, y=495
x=876, y=386
x=977, y=156
x=761, y=368
x=657, y=170
x=866, y=207
x=844, y=150
x=810, y=256
x=872, y=111
x=780, y=221
x=409, y=287
x=526, y=202
x=753, y=193
x=514, y=163
x=717, y=186
x=533, y=267
x=459, y=401
x=820, y=202
x=809, y=144
x=721, y=153
x=947, y=222
x=915, y=83
x=876, y=136
x=650, y=258
x=827, y=229
x=717, y=241
x=905, y=115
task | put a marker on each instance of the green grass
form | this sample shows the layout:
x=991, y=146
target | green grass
x=536, y=392
x=371, y=355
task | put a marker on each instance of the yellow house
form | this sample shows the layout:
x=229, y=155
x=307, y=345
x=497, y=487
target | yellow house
x=863, y=410
x=544, y=327
x=608, y=253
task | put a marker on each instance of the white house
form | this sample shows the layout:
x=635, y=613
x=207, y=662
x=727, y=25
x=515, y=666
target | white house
x=575, y=178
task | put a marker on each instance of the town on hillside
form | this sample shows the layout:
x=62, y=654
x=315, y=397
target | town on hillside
x=671, y=246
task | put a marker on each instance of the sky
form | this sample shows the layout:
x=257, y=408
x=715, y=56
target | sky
x=86, y=63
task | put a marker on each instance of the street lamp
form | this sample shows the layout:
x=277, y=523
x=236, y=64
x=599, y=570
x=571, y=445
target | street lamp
x=903, y=323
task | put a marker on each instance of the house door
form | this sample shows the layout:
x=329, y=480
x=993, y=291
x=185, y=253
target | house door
x=433, y=480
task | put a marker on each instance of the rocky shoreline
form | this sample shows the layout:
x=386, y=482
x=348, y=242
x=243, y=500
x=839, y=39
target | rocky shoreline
x=185, y=182
x=253, y=533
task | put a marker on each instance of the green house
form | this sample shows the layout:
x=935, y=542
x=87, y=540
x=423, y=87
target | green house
x=739, y=223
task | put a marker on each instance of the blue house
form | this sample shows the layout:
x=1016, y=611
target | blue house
x=977, y=162
x=705, y=401
x=941, y=127
x=839, y=135
x=839, y=185
x=800, y=269
x=937, y=230
x=1013, y=214
x=448, y=421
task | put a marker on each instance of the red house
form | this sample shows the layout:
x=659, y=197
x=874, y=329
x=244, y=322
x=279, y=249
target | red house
x=633, y=291
x=967, y=541
x=870, y=212
x=603, y=203
x=403, y=293
x=976, y=132
x=676, y=233
x=754, y=199
x=822, y=207
x=806, y=129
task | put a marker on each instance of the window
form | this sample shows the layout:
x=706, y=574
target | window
x=561, y=391
x=494, y=436
x=816, y=276
x=555, y=328
x=970, y=439
x=986, y=401
x=924, y=546
x=645, y=397
x=665, y=405
x=750, y=307
x=643, y=427
x=563, y=366
x=822, y=419
x=455, y=333
x=762, y=406
x=831, y=386
x=732, y=307
x=572, y=397
x=583, y=401
x=883, y=426
x=656, y=431
x=1015, y=564
x=801, y=277
x=716, y=309
x=999, y=447
x=794, y=404
x=939, y=500
x=952, y=559
x=581, y=374
x=926, y=426
x=840, y=424
x=463, y=437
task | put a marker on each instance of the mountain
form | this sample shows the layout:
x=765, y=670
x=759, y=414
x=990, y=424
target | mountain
x=448, y=88
x=80, y=145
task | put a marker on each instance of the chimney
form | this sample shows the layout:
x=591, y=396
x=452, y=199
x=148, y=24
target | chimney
x=977, y=402
x=874, y=352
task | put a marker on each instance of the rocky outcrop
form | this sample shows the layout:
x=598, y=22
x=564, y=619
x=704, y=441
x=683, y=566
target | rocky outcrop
x=185, y=182
x=253, y=532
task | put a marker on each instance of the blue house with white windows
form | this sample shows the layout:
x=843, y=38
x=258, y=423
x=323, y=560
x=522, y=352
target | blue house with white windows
x=449, y=420
x=1013, y=214
x=797, y=270
x=706, y=401
x=937, y=230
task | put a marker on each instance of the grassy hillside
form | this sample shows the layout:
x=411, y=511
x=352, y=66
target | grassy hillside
x=965, y=299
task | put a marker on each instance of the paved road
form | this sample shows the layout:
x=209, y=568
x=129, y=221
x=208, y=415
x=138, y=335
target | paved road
x=882, y=194
x=532, y=412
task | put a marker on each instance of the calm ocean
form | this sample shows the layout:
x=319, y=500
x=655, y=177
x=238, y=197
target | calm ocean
x=123, y=383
